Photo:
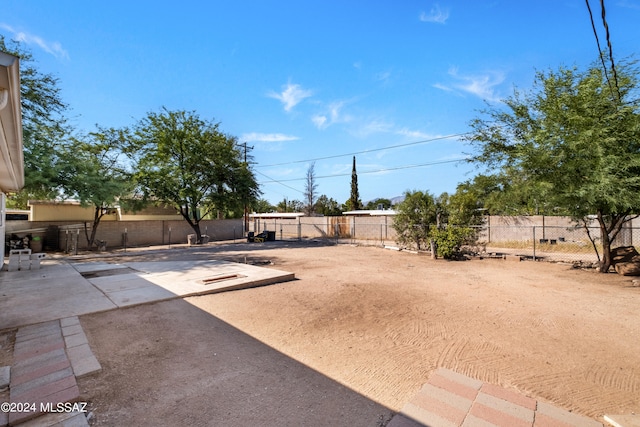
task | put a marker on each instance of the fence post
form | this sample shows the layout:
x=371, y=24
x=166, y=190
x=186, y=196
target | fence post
x=534, y=242
x=169, y=237
x=299, y=230
x=353, y=231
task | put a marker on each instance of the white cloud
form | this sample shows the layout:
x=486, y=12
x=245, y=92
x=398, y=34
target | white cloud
x=267, y=137
x=629, y=4
x=383, y=76
x=416, y=134
x=480, y=85
x=291, y=95
x=332, y=115
x=436, y=15
x=320, y=121
x=442, y=87
x=372, y=127
x=53, y=48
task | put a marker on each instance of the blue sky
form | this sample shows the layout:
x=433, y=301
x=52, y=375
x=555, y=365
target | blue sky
x=301, y=80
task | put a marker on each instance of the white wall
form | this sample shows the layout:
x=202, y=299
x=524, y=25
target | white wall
x=3, y=221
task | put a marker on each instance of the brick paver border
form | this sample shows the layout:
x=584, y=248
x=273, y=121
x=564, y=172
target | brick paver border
x=451, y=399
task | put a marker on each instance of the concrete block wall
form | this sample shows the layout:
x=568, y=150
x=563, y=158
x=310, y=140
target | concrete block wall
x=362, y=228
x=138, y=233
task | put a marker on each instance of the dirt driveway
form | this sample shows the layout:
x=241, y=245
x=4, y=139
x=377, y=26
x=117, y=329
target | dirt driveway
x=359, y=333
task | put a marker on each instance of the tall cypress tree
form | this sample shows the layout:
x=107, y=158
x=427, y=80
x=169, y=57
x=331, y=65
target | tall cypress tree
x=354, y=200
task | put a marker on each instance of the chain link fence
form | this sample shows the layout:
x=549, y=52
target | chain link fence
x=509, y=235
x=553, y=243
x=337, y=229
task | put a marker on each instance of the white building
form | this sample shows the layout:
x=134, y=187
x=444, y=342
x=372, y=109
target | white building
x=11, y=156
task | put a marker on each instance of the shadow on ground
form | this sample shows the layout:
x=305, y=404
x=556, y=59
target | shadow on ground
x=240, y=252
x=171, y=363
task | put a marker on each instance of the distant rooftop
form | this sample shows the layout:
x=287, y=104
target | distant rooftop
x=277, y=215
x=374, y=212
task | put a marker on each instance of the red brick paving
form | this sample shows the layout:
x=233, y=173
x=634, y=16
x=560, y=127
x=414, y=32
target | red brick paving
x=41, y=371
x=442, y=402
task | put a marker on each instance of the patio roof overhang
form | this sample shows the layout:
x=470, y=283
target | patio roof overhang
x=11, y=148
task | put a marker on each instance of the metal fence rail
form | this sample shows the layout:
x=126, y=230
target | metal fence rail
x=337, y=229
x=551, y=242
x=555, y=243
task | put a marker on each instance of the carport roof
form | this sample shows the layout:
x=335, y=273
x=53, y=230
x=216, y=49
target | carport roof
x=11, y=154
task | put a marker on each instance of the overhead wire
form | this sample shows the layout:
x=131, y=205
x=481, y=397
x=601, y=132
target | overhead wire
x=372, y=150
x=595, y=33
x=278, y=182
x=281, y=181
x=608, y=37
x=616, y=95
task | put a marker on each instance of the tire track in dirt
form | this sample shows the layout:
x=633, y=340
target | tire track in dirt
x=385, y=381
x=614, y=377
x=476, y=358
x=566, y=390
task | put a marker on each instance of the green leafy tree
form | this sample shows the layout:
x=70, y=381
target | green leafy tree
x=262, y=206
x=328, y=206
x=189, y=163
x=577, y=139
x=290, y=206
x=44, y=127
x=415, y=214
x=283, y=206
x=374, y=204
x=296, y=206
x=468, y=204
x=93, y=169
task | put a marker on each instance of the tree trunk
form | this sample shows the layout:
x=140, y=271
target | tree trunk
x=193, y=222
x=94, y=227
x=196, y=229
x=605, y=263
x=608, y=234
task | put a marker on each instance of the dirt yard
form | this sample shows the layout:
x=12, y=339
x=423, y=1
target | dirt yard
x=359, y=332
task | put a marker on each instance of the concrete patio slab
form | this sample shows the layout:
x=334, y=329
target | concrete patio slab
x=146, y=282
x=120, y=282
x=89, y=267
x=140, y=295
x=58, y=290
x=623, y=420
x=55, y=291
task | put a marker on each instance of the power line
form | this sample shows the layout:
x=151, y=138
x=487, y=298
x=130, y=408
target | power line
x=279, y=182
x=608, y=36
x=610, y=48
x=365, y=172
x=595, y=33
x=424, y=141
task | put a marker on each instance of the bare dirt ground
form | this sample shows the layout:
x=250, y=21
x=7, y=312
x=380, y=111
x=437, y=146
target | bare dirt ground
x=371, y=324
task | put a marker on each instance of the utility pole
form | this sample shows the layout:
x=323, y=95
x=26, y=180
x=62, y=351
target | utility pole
x=246, y=209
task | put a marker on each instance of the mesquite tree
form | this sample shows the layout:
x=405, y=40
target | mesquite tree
x=189, y=163
x=578, y=135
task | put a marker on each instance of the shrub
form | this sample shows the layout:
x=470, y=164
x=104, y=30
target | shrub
x=448, y=240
